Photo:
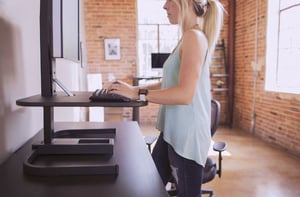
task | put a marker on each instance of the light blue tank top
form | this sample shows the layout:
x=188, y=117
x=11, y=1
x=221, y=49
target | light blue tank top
x=187, y=127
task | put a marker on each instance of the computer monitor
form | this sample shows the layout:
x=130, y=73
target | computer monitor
x=157, y=62
x=59, y=38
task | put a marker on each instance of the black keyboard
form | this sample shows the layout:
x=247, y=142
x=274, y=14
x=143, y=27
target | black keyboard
x=104, y=95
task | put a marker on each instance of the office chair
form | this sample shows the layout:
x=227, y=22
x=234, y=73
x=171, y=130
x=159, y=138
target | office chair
x=210, y=169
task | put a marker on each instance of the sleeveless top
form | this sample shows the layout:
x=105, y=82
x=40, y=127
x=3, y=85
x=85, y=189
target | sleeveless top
x=187, y=127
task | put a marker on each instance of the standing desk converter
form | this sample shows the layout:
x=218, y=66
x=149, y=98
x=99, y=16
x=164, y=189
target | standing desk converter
x=137, y=175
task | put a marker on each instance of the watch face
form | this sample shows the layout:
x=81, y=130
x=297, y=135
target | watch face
x=143, y=91
x=142, y=97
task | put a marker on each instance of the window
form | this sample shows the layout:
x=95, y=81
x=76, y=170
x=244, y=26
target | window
x=283, y=46
x=155, y=34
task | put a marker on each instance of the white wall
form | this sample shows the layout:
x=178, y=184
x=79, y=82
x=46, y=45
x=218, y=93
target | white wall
x=67, y=72
x=19, y=72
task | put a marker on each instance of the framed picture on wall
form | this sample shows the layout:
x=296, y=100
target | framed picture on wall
x=112, y=49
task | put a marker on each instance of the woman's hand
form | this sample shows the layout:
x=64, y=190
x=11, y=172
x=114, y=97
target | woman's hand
x=124, y=89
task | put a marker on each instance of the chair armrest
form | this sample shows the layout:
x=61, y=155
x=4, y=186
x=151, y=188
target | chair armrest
x=220, y=146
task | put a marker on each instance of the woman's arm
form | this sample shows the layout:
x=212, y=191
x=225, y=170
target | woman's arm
x=192, y=52
x=122, y=88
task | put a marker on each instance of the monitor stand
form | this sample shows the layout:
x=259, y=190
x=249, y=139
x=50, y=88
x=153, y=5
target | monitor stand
x=59, y=83
x=63, y=87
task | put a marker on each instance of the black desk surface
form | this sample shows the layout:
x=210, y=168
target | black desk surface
x=81, y=99
x=137, y=176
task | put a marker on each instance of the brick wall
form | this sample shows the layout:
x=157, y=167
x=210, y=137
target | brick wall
x=277, y=115
x=111, y=19
x=105, y=19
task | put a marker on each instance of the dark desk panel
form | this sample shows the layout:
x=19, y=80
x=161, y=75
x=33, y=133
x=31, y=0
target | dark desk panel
x=81, y=99
x=137, y=176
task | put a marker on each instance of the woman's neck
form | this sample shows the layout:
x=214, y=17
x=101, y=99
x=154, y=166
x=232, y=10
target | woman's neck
x=193, y=23
x=193, y=26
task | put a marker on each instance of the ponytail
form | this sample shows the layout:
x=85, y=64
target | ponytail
x=212, y=13
x=213, y=21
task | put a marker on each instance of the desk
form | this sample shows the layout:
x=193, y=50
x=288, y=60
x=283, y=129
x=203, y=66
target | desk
x=137, y=176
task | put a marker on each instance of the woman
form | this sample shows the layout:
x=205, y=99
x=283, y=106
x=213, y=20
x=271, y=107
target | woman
x=184, y=95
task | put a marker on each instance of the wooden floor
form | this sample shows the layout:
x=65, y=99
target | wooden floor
x=251, y=168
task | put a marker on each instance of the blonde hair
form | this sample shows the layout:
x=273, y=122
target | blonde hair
x=213, y=21
x=212, y=13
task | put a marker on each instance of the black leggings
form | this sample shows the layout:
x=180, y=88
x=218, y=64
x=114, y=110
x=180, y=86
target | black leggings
x=186, y=174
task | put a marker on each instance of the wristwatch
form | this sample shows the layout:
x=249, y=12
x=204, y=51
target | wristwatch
x=142, y=94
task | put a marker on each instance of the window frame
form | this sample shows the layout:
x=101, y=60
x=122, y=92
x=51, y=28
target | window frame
x=160, y=44
x=272, y=51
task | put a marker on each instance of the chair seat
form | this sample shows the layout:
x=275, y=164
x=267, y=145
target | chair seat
x=210, y=170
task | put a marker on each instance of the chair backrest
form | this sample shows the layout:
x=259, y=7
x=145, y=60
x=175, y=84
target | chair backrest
x=215, y=115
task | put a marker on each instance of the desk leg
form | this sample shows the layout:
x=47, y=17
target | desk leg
x=135, y=110
x=136, y=114
x=48, y=124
